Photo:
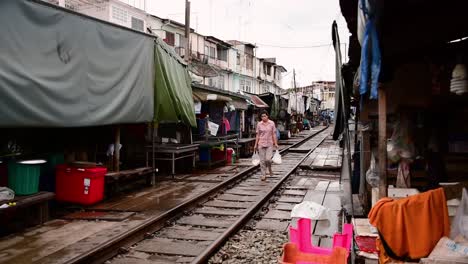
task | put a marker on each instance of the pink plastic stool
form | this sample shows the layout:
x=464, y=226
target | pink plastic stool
x=302, y=237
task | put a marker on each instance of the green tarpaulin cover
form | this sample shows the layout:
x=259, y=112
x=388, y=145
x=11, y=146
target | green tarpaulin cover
x=173, y=92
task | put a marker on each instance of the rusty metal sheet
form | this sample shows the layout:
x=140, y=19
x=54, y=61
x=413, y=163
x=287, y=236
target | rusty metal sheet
x=288, y=199
x=193, y=234
x=170, y=247
x=105, y=216
x=278, y=214
x=199, y=220
x=275, y=225
x=231, y=197
x=224, y=204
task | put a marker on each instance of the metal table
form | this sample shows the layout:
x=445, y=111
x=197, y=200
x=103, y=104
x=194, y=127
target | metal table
x=213, y=141
x=172, y=153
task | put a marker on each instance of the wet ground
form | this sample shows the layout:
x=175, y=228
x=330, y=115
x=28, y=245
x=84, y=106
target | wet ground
x=60, y=240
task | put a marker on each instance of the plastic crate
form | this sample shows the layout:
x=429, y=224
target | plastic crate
x=79, y=185
x=217, y=155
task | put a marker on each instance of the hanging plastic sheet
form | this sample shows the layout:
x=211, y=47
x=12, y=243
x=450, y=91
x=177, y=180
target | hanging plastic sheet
x=173, y=100
x=370, y=57
x=60, y=69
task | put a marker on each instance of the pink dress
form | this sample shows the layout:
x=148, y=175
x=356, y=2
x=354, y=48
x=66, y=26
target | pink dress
x=265, y=132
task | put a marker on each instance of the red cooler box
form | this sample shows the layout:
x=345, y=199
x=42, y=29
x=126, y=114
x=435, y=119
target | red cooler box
x=79, y=185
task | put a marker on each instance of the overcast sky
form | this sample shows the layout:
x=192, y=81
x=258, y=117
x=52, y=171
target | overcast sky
x=270, y=24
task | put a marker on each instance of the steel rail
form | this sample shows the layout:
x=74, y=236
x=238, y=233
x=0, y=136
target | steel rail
x=106, y=251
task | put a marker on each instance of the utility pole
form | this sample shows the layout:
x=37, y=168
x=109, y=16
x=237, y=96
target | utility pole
x=187, y=30
x=295, y=93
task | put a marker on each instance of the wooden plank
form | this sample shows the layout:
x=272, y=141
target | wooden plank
x=224, y=204
x=170, y=247
x=295, y=192
x=274, y=225
x=104, y=216
x=382, y=142
x=235, y=191
x=199, y=234
x=216, y=211
x=322, y=186
x=332, y=201
x=284, y=206
x=278, y=214
x=199, y=220
x=286, y=199
x=315, y=196
x=238, y=198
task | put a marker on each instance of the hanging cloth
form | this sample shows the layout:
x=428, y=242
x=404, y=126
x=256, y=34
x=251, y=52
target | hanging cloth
x=370, y=57
x=227, y=125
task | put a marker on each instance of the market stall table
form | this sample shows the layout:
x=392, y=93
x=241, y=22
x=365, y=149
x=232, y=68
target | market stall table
x=172, y=153
x=33, y=209
x=246, y=145
x=210, y=142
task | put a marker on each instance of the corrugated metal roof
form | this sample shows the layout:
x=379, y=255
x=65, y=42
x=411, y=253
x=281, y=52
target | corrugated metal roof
x=259, y=103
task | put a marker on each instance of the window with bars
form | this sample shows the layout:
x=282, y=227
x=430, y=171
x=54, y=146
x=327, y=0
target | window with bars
x=222, y=53
x=221, y=82
x=246, y=85
x=249, y=62
x=170, y=38
x=119, y=14
x=137, y=24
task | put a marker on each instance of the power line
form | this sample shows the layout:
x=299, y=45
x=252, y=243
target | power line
x=295, y=47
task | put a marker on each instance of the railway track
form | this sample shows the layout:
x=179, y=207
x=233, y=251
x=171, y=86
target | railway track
x=193, y=231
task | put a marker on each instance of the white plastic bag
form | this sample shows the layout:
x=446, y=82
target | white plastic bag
x=372, y=175
x=6, y=194
x=310, y=210
x=460, y=221
x=276, y=157
x=255, y=159
x=213, y=127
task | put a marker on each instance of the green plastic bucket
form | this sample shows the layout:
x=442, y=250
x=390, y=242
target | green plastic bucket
x=23, y=176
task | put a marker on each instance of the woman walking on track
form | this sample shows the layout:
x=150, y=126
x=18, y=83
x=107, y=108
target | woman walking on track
x=265, y=140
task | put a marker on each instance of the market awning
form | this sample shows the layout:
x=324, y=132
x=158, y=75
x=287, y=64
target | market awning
x=205, y=97
x=67, y=70
x=172, y=86
x=257, y=102
x=239, y=104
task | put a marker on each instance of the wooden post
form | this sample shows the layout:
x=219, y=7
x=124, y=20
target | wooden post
x=154, y=133
x=116, y=149
x=382, y=142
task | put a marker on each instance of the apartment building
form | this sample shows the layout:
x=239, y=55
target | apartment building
x=113, y=11
x=228, y=65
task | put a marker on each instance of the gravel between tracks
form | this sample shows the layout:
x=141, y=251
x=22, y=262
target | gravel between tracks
x=252, y=246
